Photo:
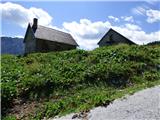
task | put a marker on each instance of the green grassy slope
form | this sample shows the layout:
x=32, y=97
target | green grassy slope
x=77, y=80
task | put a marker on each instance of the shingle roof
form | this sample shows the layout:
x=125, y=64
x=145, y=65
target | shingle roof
x=54, y=35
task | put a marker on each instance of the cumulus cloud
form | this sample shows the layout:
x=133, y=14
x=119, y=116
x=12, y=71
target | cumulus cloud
x=138, y=36
x=115, y=19
x=153, y=15
x=19, y=15
x=127, y=18
x=132, y=27
x=88, y=33
x=87, y=29
x=124, y=18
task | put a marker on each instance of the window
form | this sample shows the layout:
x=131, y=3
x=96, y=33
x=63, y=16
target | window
x=111, y=37
x=110, y=40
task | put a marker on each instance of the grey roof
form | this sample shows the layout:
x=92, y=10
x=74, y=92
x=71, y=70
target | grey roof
x=50, y=34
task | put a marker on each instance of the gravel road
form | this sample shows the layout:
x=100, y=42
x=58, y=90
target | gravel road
x=143, y=105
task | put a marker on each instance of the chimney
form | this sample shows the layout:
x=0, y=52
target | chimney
x=35, y=23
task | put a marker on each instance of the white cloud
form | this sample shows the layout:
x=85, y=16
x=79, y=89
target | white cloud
x=19, y=36
x=86, y=29
x=87, y=44
x=127, y=18
x=153, y=15
x=115, y=19
x=132, y=27
x=87, y=33
x=152, y=2
x=19, y=15
x=139, y=10
x=138, y=36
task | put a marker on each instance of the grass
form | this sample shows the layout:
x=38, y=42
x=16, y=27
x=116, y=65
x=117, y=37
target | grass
x=77, y=80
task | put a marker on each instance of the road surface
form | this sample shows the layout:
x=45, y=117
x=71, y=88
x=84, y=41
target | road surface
x=143, y=105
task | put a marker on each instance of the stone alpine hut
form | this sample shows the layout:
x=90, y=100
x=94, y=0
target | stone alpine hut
x=43, y=39
x=113, y=37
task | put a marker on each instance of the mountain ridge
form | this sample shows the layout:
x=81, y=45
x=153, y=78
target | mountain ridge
x=12, y=45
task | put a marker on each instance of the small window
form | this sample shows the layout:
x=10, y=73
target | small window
x=111, y=37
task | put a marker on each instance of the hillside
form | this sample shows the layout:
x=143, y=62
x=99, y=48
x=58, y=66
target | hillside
x=48, y=84
x=11, y=45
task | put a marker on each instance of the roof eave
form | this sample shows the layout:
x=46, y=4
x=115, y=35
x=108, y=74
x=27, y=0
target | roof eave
x=28, y=28
x=104, y=36
x=55, y=41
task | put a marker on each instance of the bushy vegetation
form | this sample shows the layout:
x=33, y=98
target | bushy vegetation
x=77, y=80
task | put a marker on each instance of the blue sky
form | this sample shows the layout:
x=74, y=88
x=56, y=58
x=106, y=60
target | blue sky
x=83, y=19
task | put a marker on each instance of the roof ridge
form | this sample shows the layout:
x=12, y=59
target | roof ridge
x=54, y=29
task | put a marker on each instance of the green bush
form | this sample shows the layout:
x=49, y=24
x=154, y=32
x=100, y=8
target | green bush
x=9, y=118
